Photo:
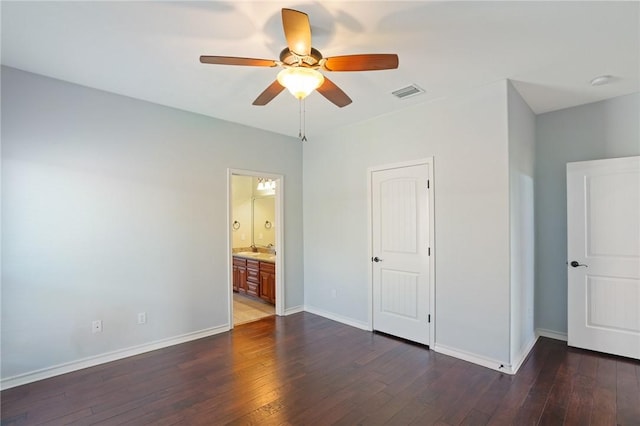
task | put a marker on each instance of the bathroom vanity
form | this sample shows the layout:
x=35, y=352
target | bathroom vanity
x=254, y=274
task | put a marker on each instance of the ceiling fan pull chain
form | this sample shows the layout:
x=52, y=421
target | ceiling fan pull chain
x=304, y=120
x=299, y=118
x=302, y=126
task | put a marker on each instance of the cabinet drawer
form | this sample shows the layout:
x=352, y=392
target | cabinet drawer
x=267, y=267
x=252, y=275
x=238, y=261
x=252, y=288
x=253, y=264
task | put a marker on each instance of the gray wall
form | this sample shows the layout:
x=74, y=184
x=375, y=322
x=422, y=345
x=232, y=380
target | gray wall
x=606, y=129
x=113, y=206
x=521, y=223
x=467, y=136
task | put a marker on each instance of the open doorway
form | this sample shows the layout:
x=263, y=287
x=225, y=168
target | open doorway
x=254, y=246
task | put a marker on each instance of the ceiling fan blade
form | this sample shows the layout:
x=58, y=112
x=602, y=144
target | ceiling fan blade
x=329, y=90
x=232, y=60
x=297, y=31
x=269, y=93
x=370, y=62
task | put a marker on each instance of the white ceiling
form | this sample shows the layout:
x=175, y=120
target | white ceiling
x=150, y=51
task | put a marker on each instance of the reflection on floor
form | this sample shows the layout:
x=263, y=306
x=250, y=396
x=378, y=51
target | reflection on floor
x=247, y=309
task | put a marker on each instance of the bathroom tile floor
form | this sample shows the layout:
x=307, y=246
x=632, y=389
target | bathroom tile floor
x=247, y=309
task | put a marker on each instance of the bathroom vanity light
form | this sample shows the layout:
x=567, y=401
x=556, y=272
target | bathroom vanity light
x=266, y=184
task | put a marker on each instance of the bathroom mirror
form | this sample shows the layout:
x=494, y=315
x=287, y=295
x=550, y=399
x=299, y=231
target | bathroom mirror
x=263, y=209
x=252, y=213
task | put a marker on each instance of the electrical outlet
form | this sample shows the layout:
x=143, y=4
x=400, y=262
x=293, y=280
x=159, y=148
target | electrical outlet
x=334, y=293
x=142, y=318
x=96, y=326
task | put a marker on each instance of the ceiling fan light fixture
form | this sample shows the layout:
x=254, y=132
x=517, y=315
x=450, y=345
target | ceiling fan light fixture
x=300, y=81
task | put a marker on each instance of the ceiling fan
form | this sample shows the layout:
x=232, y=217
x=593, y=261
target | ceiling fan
x=301, y=63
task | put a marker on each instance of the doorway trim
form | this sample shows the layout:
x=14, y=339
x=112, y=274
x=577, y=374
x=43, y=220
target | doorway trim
x=279, y=202
x=432, y=276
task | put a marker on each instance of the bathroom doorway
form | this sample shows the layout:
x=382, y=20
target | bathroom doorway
x=255, y=246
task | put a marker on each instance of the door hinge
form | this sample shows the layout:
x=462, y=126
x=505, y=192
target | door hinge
x=428, y=251
x=429, y=318
x=428, y=182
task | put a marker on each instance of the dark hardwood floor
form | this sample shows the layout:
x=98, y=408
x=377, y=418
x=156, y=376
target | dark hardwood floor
x=307, y=370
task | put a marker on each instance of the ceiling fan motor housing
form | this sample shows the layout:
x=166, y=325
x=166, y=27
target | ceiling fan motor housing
x=289, y=58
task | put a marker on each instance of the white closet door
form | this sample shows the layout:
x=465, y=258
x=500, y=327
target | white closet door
x=400, y=237
x=603, y=227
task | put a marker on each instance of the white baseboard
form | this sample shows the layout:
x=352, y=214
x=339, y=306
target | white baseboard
x=293, y=310
x=493, y=364
x=519, y=358
x=56, y=370
x=541, y=332
x=338, y=318
x=474, y=358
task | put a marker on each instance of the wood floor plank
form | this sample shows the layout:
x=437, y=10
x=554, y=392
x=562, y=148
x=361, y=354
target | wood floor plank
x=532, y=407
x=305, y=369
x=488, y=401
x=555, y=409
x=475, y=418
x=628, y=393
x=478, y=383
x=603, y=411
x=580, y=401
x=521, y=385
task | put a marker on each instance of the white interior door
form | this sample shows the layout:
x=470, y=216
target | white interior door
x=603, y=210
x=400, y=252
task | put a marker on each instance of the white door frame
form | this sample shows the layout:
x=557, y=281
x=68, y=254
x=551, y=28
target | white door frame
x=432, y=276
x=280, y=294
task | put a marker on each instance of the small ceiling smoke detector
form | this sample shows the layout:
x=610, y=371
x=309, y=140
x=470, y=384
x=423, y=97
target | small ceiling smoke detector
x=407, y=92
x=601, y=80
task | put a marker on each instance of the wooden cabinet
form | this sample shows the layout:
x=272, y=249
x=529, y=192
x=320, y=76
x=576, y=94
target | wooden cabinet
x=255, y=278
x=268, y=282
x=239, y=275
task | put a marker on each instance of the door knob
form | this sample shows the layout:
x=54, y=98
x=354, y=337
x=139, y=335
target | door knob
x=376, y=259
x=575, y=264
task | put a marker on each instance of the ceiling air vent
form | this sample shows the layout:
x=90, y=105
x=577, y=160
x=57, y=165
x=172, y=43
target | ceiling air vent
x=407, y=92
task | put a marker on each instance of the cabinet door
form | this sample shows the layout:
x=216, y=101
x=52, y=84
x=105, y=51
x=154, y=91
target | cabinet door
x=268, y=282
x=242, y=279
x=236, y=278
x=239, y=274
x=265, y=294
x=271, y=283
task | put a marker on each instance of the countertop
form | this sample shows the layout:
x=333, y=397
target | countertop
x=263, y=257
